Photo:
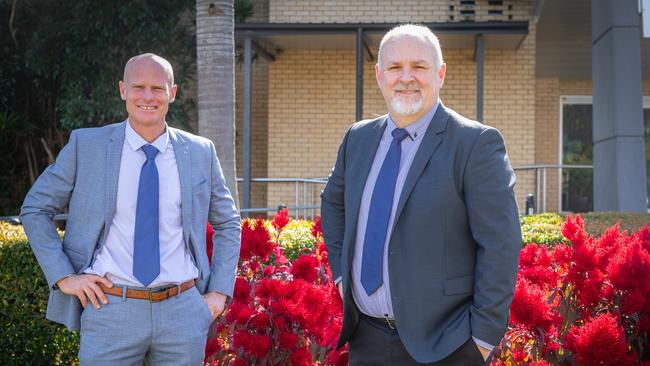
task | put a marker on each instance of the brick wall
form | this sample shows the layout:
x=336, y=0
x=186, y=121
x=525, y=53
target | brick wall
x=311, y=104
x=390, y=11
x=259, y=129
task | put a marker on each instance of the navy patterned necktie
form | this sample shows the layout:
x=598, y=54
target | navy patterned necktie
x=381, y=205
x=146, y=242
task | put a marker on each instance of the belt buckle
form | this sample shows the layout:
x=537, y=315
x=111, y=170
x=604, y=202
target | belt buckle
x=155, y=291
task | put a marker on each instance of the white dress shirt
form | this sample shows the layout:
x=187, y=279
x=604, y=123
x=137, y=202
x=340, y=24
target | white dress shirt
x=115, y=259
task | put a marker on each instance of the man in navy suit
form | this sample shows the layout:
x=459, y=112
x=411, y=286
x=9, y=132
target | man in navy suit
x=420, y=221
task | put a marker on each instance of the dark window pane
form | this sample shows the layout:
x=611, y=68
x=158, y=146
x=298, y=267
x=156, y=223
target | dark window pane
x=577, y=148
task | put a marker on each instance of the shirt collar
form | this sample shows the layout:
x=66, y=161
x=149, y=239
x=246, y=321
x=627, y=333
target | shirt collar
x=417, y=129
x=136, y=141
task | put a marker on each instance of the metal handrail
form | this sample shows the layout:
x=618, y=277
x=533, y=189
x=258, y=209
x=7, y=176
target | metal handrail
x=309, y=209
x=541, y=175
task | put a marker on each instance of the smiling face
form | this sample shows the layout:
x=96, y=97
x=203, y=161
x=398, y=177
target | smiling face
x=147, y=89
x=409, y=78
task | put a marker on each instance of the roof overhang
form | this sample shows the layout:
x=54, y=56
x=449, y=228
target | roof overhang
x=342, y=36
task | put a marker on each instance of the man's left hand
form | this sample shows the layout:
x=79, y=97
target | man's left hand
x=216, y=301
x=484, y=352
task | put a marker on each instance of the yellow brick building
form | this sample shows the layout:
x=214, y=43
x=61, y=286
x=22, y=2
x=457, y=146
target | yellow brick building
x=304, y=86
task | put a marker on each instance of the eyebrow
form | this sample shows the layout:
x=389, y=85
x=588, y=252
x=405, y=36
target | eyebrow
x=417, y=62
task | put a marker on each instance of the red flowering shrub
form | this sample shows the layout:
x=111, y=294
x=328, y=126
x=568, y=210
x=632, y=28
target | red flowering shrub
x=586, y=303
x=282, y=313
x=579, y=304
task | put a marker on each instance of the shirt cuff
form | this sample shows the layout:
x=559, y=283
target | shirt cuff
x=337, y=280
x=483, y=344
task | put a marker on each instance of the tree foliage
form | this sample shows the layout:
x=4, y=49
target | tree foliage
x=62, y=61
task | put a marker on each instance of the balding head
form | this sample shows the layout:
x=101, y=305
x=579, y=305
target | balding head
x=149, y=60
x=415, y=31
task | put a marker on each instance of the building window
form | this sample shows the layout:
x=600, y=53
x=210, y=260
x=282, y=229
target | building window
x=576, y=148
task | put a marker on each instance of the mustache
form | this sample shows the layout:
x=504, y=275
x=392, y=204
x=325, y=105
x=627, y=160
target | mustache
x=407, y=87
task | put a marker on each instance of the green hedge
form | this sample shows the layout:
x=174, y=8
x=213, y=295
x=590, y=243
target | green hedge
x=26, y=338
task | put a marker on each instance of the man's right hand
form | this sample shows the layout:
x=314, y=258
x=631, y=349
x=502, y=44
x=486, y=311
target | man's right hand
x=85, y=287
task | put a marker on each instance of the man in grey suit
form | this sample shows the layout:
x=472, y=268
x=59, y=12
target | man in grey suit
x=132, y=271
x=420, y=221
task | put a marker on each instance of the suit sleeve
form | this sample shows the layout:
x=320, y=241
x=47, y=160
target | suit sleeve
x=226, y=239
x=48, y=196
x=494, y=221
x=333, y=211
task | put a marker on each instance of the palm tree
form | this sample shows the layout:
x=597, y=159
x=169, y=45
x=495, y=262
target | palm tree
x=215, y=55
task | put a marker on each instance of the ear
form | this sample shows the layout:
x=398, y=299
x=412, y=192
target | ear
x=122, y=88
x=441, y=73
x=377, y=74
x=172, y=94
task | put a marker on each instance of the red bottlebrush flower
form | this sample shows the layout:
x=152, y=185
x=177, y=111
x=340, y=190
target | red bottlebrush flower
x=540, y=363
x=530, y=309
x=629, y=269
x=281, y=219
x=252, y=344
x=242, y=290
x=337, y=357
x=561, y=254
x=280, y=323
x=239, y=313
x=268, y=271
x=316, y=230
x=239, y=362
x=305, y=268
x=573, y=229
x=301, y=357
x=233, y=311
x=519, y=356
x=540, y=275
x=260, y=320
x=288, y=340
x=208, y=241
x=632, y=302
x=255, y=240
x=241, y=339
x=212, y=346
x=261, y=344
x=601, y=338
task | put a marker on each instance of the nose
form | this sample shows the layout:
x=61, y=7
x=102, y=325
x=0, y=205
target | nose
x=148, y=94
x=406, y=74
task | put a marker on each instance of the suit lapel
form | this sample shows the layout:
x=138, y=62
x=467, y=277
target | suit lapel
x=368, y=150
x=428, y=146
x=113, y=160
x=184, y=164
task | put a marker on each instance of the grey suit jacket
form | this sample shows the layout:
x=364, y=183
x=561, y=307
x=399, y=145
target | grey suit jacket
x=84, y=178
x=454, y=248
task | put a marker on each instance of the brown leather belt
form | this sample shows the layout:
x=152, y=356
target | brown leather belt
x=153, y=295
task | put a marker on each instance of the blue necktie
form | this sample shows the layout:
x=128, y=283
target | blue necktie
x=146, y=243
x=381, y=205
